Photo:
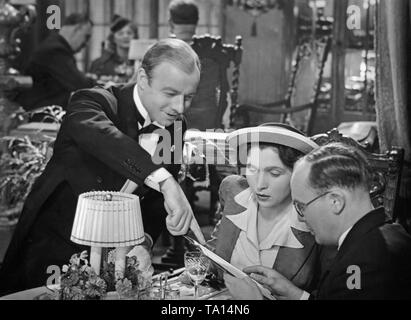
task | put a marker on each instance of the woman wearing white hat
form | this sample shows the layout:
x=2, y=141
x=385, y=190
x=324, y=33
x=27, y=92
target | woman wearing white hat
x=259, y=225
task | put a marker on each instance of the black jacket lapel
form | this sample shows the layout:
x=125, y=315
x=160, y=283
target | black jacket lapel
x=369, y=222
x=127, y=110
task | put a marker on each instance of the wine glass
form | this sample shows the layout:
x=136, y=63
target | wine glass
x=196, y=265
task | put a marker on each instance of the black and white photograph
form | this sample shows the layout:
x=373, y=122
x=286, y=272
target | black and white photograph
x=204, y=155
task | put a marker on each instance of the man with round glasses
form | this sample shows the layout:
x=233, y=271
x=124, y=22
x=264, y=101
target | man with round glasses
x=330, y=192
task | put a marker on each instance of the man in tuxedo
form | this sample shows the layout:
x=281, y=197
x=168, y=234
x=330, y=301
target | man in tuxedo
x=331, y=194
x=106, y=139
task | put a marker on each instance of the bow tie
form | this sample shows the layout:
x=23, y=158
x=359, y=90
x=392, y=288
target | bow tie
x=149, y=129
x=148, y=139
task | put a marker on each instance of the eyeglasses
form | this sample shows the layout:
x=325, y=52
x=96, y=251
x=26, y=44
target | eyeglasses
x=301, y=207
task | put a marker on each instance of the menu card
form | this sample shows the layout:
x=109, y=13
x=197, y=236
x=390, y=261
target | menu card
x=228, y=267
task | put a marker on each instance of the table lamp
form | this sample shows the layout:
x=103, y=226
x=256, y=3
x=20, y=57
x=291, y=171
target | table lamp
x=108, y=220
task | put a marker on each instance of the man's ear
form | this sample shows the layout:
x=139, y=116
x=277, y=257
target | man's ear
x=338, y=200
x=142, y=78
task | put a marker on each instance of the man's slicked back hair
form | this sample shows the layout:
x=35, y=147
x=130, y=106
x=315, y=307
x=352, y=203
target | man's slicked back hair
x=173, y=51
x=338, y=165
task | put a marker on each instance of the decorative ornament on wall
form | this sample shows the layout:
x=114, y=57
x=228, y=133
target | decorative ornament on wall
x=258, y=7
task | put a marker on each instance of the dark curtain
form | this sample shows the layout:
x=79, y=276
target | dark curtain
x=393, y=40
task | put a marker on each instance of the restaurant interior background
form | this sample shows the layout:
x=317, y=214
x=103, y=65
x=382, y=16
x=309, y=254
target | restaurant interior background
x=359, y=83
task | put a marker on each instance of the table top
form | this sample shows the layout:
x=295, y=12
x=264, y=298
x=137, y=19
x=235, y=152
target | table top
x=205, y=292
x=186, y=292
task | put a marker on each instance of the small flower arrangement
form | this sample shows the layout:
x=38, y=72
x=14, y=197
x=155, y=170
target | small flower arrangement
x=80, y=282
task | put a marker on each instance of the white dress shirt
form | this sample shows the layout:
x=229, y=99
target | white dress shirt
x=342, y=238
x=248, y=250
x=149, y=143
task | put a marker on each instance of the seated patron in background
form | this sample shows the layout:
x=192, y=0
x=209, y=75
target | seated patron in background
x=53, y=65
x=114, y=60
x=183, y=19
x=108, y=137
x=330, y=192
x=259, y=225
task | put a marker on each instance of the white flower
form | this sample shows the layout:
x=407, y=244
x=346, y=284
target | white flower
x=83, y=255
x=111, y=256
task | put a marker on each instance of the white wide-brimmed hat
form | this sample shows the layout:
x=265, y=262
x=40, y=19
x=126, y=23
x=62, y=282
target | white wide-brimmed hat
x=276, y=133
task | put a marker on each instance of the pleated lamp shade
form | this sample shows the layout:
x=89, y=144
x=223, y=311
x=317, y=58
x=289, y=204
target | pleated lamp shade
x=108, y=219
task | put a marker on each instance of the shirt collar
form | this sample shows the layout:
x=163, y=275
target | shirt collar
x=281, y=235
x=143, y=111
x=342, y=238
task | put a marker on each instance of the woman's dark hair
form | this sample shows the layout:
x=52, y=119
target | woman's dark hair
x=287, y=155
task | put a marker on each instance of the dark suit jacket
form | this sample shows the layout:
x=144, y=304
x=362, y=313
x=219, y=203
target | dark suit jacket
x=96, y=149
x=382, y=252
x=301, y=266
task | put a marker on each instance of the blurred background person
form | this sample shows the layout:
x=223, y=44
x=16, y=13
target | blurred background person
x=53, y=65
x=183, y=19
x=114, y=59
